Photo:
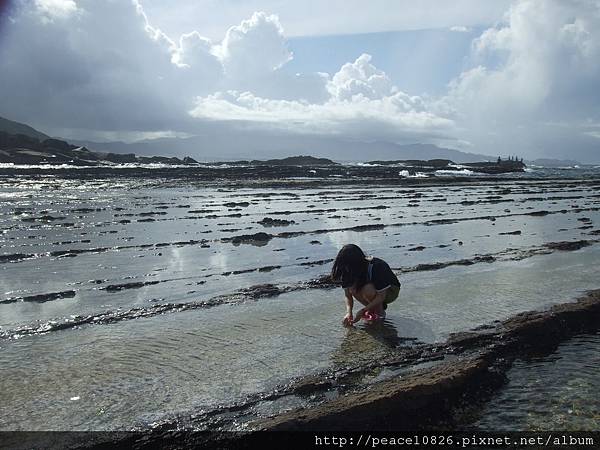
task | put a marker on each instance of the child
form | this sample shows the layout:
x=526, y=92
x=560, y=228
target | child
x=366, y=279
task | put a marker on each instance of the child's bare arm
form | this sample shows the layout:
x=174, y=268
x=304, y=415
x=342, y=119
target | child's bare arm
x=349, y=300
x=348, y=318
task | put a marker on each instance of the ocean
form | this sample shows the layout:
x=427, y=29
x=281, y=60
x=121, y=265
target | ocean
x=133, y=297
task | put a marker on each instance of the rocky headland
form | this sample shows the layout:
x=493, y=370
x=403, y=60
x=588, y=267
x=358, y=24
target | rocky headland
x=20, y=149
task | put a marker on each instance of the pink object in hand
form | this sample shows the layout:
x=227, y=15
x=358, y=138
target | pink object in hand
x=371, y=316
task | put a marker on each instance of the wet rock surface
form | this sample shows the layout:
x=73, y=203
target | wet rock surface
x=181, y=267
x=568, y=246
x=484, y=356
x=270, y=222
x=473, y=366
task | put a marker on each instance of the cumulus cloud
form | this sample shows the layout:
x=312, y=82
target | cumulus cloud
x=103, y=65
x=55, y=9
x=254, y=48
x=252, y=55
x=99, y=66
x=548, y=46
x=360, y=78
x=362, y=103
x=531, y=83
x=91, y=65
x=540, y=66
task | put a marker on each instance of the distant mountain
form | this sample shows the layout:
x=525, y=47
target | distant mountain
x=548, y=162
x=11, y=127
x=226, y=145
x=25, y=150
x=219, y=141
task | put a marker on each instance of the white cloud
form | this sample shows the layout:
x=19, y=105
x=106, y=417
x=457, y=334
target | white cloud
x=107, y=66
x=55, y=9
x=192, y=50
x=548, y=46
x=460, y=29
x=254, y=48
x=360, y=97
x=132, y=77
x=394, y=110
x=360, y=78
x=541, y=64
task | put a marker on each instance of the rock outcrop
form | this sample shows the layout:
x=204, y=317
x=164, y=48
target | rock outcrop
x=21, y=149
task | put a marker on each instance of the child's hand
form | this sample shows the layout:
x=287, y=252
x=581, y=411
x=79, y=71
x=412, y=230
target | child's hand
x=348, y=320
x=359, y=315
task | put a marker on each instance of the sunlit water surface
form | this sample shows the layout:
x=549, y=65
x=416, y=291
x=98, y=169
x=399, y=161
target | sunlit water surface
x=83, y=237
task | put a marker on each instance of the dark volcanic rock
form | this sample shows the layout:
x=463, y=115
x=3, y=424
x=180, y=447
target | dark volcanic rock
x=269, y=222
x=120, y=158
x=15, y=257
x=153, y=159
x=189, y=160
x=257, y=239
x=236, y=204
x=414, y=165
x=41, y=298
x=133, y=285
x=261, y=291
x=567, y=245
x=501, y=166
x=417, y=163
x=297, y=161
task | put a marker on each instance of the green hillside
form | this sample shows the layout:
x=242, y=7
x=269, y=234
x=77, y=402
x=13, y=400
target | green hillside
x=11, y=127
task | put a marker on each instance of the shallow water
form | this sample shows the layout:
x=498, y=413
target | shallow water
x=92, y=240
x=65, y=235
x=135, y=371
x=555, y=392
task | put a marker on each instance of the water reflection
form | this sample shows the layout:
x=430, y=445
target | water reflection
x=370, y=341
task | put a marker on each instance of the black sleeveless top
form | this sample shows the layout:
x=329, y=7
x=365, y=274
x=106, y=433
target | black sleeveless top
x=378, y=273
x=381, y=275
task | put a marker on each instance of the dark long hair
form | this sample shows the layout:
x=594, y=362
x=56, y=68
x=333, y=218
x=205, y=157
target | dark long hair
x=350, y=267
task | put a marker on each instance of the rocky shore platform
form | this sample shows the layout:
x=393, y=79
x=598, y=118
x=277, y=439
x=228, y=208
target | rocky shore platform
x=472, y=366
x=425, y=398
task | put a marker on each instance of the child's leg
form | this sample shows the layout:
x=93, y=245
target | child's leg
x=367, y=294
x=358, y=297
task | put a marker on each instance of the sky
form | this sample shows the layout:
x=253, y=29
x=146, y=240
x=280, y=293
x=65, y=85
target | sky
x=504, y=77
